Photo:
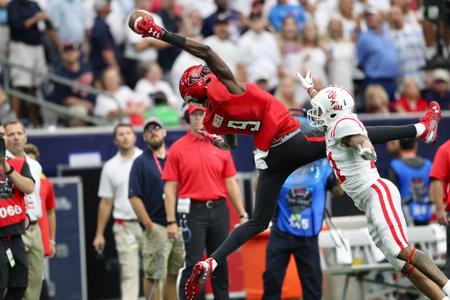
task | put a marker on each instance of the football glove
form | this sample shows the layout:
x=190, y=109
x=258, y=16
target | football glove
x=212, y=138
x=367, y=154
x=306, y=81
x=148, y=28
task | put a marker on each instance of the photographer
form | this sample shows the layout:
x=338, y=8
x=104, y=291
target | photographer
x=15, y=182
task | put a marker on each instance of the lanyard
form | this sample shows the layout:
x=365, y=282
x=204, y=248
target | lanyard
x=158, y=165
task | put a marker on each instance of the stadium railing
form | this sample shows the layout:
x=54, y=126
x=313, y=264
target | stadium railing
x=46, y=104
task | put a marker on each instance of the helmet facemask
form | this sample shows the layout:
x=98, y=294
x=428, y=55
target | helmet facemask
x=315, y=116
x=329, y=105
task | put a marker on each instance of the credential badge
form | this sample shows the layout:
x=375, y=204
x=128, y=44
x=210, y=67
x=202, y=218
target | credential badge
x=217, y=121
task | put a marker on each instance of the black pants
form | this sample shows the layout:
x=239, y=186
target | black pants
x=209, y=228
x=307, y=258
x=282, y=161
x=13, y=280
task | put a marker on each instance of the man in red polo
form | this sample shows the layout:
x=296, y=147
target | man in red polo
x=440, y=192
x=203, y=179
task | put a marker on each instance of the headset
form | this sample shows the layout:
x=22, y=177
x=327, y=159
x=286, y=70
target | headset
x=185, y=112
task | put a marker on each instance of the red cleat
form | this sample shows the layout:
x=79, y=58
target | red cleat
x=431, y=121
x=199, y=275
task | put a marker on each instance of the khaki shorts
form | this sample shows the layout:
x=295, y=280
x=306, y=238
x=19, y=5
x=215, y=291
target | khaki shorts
x=29, y=56
x=161, y=256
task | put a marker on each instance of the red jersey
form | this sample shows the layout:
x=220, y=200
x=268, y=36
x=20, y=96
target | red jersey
x=441, y=169
x=254, y=112
x=202, y=174
x=47, y=194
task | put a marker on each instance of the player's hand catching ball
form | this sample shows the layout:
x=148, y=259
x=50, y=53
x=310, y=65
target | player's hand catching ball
x=367, y=153
x=141, y=22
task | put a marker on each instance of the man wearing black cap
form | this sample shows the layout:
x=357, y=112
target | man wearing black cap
x=162, y=258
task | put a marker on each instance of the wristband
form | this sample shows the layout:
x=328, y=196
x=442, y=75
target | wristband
x=11, y=170
x=173, y=38
x=171, y=222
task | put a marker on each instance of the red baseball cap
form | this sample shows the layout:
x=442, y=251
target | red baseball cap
x=193, y=107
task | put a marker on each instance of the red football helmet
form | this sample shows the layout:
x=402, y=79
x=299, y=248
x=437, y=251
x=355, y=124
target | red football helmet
x=193, y=84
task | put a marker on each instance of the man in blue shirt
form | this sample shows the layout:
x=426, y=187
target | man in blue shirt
x=104, y=52
x=295, y=229
x=69, y=19
x=162, y=258
x=377, y=54
x=282, y=10
x=410, y=173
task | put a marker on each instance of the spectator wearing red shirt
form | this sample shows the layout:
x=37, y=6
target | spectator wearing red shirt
x=440, y=191
x=410, y=100
x=203, y=180
x=47, y=223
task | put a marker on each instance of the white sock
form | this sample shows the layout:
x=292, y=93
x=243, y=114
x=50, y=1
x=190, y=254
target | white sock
x=446, y=288
x=420, y=128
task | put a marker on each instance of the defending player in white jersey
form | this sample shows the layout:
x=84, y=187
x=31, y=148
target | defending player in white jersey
x=352, y=156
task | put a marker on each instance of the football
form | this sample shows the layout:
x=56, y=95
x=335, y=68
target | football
x=136, y=16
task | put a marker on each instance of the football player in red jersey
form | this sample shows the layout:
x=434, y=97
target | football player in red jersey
x=235, y=108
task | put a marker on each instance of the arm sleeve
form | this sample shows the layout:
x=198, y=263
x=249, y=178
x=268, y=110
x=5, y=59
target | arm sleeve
x=439, y=169
x=135, y=180
x=105, y=189
x=171, y=167
x=347, y=127
x=229, y=169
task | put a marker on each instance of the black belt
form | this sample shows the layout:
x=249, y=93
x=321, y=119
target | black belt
x=208, y=203
x=33, y=222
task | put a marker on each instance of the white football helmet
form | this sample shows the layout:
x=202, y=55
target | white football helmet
x=330, y=104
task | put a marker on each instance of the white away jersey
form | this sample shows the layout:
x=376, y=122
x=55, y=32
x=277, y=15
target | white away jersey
x=355, y=174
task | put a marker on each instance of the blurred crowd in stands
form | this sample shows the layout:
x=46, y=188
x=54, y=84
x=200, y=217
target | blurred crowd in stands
x=375, y=48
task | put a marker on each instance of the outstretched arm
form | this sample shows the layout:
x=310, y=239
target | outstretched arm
x=362, y=145
x=147, y=28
